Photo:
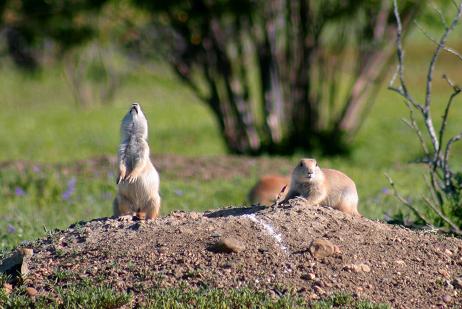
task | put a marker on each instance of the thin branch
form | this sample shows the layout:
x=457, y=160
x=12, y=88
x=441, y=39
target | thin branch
x=448, y=49
x=431, y=67
x=413, y=125
x=439, y=191
x=443, y=19
x=456, y=91
x=406, y=203
x=402, y=90
x=439, y=180
x=447, y=171
x=400, y=51
x=432, y=190
x=451, y=83
x=454, y=227
x=455, y=3
x=441, y=44
x=393, y=78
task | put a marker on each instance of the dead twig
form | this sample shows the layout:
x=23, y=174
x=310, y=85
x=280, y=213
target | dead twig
x=454, y=227
x=407, y=203
x=412, y=123
x=448, y=49
x=440, y=178
x=402, y=89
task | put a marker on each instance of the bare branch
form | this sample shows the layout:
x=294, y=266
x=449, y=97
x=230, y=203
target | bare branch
x=402, y=89
x=451, y=83
x=439, y=181
x=455, y=3
x=413, y=125
x=431, y=67
x=453, y=226
x=406, y=203
x=448, y=49
x=438, y=190
x=433, y=192
x=452, y=140
x=393, y=78
x=446, y=171
x=441, y=44
x=443, y=19
x=400, y=51
x=456, y=91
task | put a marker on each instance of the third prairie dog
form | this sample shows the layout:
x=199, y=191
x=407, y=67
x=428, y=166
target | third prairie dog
x=138, y=180
x=268, y=189
x=322, y=186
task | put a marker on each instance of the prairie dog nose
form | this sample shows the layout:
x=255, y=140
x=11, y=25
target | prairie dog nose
x=135, y=107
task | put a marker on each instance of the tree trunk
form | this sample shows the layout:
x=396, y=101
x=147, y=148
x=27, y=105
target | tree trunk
x=297, y=104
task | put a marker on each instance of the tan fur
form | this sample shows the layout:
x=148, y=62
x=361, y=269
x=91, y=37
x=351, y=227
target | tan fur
x=322, y=186
x=138, y=180
x=268, y=189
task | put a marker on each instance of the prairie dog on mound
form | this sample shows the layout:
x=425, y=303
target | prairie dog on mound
x=138, y=180
x=322, y=186
x=267, y=189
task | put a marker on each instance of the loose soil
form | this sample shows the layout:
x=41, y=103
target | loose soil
x=270, y=251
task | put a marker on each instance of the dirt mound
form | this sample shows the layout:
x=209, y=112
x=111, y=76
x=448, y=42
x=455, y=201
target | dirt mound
x=312, y=251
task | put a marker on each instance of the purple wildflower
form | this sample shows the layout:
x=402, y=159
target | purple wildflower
x=10, y=229
x=70, y=189
x=386, y=191
x=19, y=191
x=179, y=192
x=36, y=169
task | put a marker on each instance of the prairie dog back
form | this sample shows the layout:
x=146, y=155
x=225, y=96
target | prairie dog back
x=267, y=189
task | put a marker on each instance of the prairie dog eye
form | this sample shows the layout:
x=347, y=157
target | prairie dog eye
x=317, y=164
x=300, y=164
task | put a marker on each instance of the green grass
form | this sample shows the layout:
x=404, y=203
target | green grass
x=43, y=124
x=82, y=295
x=87, y=294
x=247, y=298
x=39, y=122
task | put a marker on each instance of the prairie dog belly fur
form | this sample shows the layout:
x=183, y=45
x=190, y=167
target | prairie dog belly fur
x=148, y=182
x=138, y=180
x=322, y=186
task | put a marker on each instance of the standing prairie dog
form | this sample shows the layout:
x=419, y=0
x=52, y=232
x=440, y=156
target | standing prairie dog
x=322, y=186
x=138, y=180
x=268, y=188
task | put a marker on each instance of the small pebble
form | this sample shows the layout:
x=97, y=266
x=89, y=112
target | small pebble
x=228, y=245
x=31, y=292
x=321, y=248
x=447, y=298
x=457, y=283
x=319, y=290
x=400, y=262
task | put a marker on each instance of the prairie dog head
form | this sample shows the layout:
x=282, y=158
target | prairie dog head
x=307, y=171
x=134, y=123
